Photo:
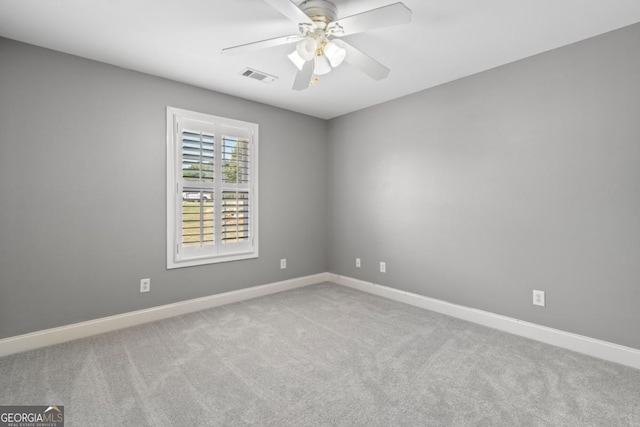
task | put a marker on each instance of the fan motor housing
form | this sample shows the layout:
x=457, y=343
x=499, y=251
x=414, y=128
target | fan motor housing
x=322, y=12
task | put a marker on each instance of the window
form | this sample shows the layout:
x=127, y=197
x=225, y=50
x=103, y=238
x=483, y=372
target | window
x=212, y=189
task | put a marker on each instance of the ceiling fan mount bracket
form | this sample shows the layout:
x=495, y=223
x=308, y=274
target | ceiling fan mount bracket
x=321, y=12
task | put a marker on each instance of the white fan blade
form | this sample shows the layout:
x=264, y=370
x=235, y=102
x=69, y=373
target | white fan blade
x=304, y=76
x=365, y=63
x=290, y=10
x=385, y=16
x=261, y=44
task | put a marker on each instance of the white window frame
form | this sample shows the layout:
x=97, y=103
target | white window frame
x=177, y=254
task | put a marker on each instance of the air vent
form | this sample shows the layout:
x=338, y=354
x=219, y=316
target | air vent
x=258, y=75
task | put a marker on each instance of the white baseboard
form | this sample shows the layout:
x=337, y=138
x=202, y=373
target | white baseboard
x=62, y=334
x=590, y=346
x=597, y=348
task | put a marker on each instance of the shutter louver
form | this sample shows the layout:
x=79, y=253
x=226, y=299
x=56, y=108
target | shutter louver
x=197, y=156
x=235, y=216
x=197, y=218
x=235, y=155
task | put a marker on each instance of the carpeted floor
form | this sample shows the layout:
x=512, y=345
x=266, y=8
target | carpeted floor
x=322, y=355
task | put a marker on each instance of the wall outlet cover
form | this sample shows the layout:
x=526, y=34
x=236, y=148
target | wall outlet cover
x=145, y=285
x=538, y=298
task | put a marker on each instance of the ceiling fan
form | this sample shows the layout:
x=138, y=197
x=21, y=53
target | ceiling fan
x=318, y=46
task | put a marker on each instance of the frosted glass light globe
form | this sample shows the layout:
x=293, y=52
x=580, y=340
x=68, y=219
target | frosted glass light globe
x=335, y=51
x=306, y=48
x=322, y=65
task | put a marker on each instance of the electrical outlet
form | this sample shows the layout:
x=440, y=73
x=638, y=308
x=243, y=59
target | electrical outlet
x=283, y=263
x=145, y=285
x=383, y=267
x=358, y=263
x=538, y=298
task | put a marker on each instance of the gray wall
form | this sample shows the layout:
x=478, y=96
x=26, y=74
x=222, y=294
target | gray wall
x=523, y=177
x=82, y=187
x=475, y=192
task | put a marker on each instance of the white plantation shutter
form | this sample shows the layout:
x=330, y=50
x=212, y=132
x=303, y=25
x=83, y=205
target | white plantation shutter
x=211, y=189
x=196, y=155
x=236, y=205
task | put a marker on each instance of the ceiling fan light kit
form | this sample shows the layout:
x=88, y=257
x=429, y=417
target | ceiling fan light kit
x=318, y=49
x=316, y=45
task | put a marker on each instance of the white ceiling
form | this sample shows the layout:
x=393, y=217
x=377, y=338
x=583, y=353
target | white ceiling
x=182, y=40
